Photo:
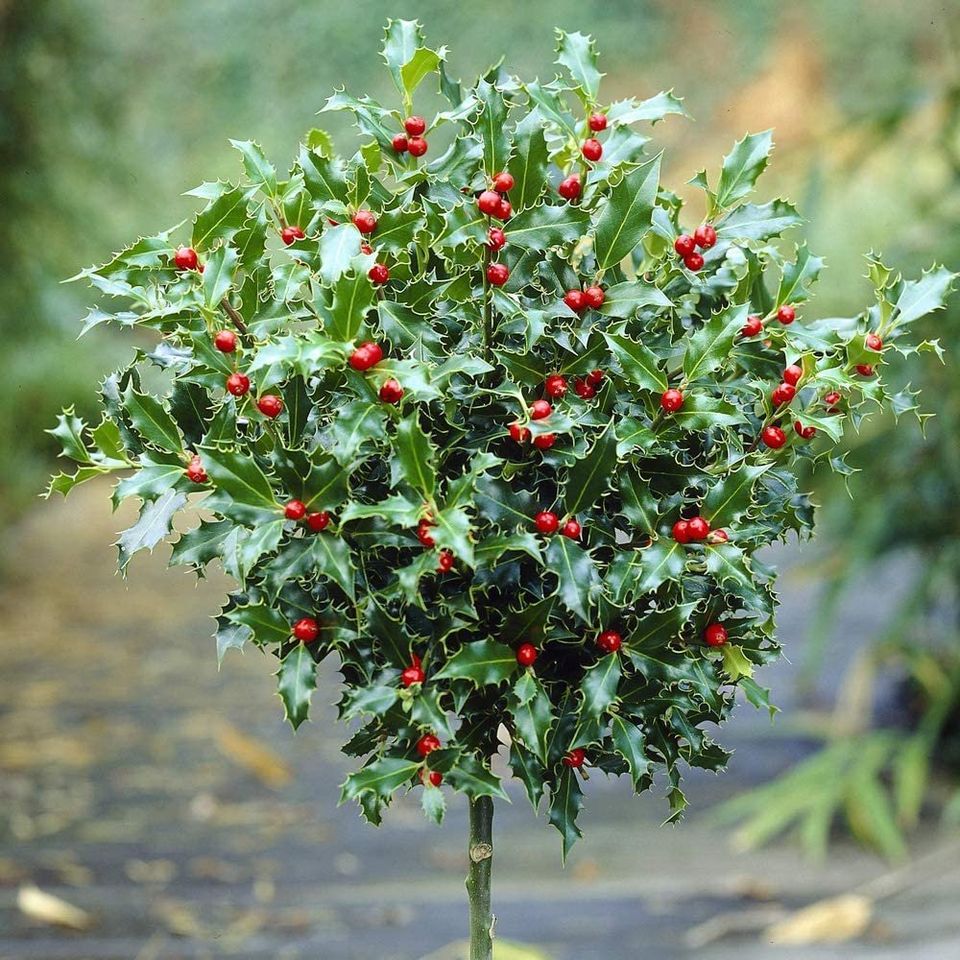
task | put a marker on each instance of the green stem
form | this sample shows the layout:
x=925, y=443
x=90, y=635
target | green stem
x=480, y=852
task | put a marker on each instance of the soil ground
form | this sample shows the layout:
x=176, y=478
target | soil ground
x=170, y=802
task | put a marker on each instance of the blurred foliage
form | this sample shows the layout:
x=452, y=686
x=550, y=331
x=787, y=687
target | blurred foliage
x=87, y=158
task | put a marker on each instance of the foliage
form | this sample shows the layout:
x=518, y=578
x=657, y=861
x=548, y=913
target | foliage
x=439, y=466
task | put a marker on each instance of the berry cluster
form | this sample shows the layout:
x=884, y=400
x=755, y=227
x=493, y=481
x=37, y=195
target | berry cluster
x=704, y=237
x=413, y=140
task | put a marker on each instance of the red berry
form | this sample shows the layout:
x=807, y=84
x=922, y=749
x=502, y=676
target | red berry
x=832, y=400
x=865, y=369
x=225, y=341
x=784, y=393
x=693, y=261
x=753, y=325
x=594, y=297
x=412, y=675
x=718, y=536
x=571, y=529
x=773, y=437
x=575, y=300
x=518, y=433
x=318, y=521
x=555, y=385
x=379, y=273
x=546, y=521
x=698, y=528
x=270, y=405
x=445, y=561
x=291, y=235
x=185, y=258
x=238, y=384
x=427, y=744
x=496, y=239
x=417, y=146
x=505, y=212
x=681, y=531
x=195, y=471
x=295, y=510
x=792, y=374
x=415, y=125
x=489, y=203
x=570, y=187
x=595, y=377
x=705, y=236
x=715, y=635
x=433, y=777
x=306, y=630
x=609, y=641
x=365, y=221
x=685, y=245
x=503, y=182
x=391, y=391
x=498, y=274
x=874, y=342
x=808, y=433
x=597, y=122
x=545, y=441
x=786, y=314
x=584, y=389
x=399, y=143
x=424, y=535
x=367, y=355
x=575, y=758
x=592, y=150
x=540, y=410
x=671, y=400
x=366, y=248
x=526, y=654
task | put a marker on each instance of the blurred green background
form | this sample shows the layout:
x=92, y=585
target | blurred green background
x=110, y=111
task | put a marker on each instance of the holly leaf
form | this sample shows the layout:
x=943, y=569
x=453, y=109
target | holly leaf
x=799, y=276
x=577, y=575
x=624, y=215
x=415, y=456
x=578, y=54
x=297, y=679
x=153, y=525
x=380, y=778
x=566, y=802
x=218, y=275
x=639, y=364
x=353, y=296
x=152, y=421
x=545, y=226
x=729, y=499
x=471, y=777
x=624, y=299
x=528, y=163
x=259, y=170
x=758, y=222
x=491, y=124
x=709, y=347
x=533, y=718
x=589, y=476
x=599, y=686
x=483, y=662
x=742, y=167
x=629, y=743
x=238, y=476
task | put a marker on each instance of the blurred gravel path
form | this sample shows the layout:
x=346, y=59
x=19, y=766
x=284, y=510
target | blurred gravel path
x=170, y=802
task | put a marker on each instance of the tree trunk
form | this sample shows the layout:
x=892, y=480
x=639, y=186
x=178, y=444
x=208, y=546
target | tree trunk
x=478, y=879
